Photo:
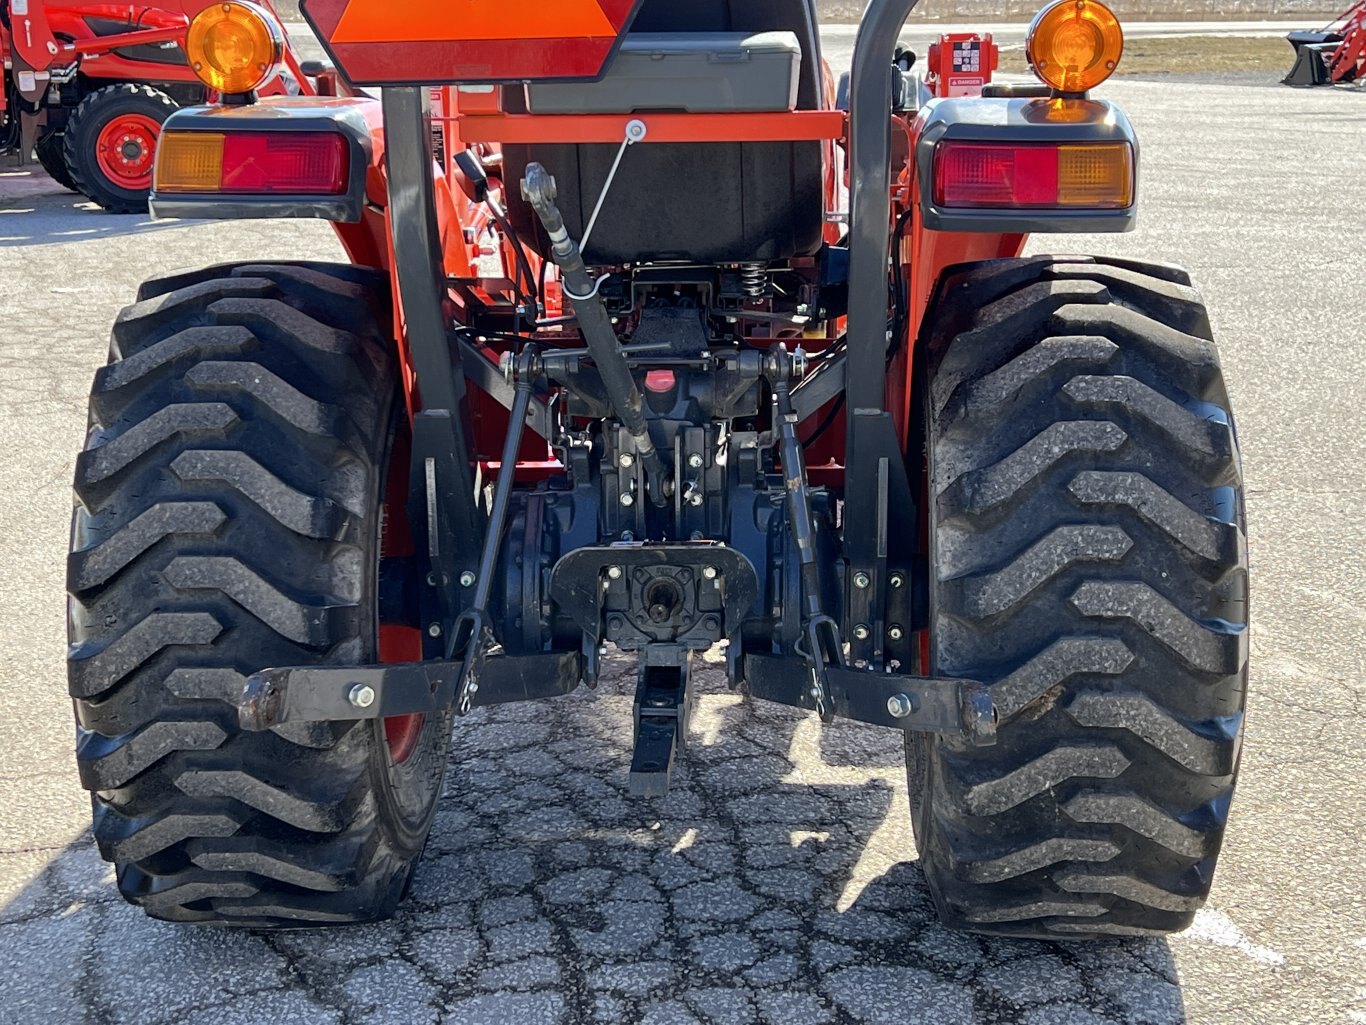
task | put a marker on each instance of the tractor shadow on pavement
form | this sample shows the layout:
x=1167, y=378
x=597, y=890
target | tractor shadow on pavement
x=35, y=210
x=776, y=883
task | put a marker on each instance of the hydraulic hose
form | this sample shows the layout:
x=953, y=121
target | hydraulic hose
x=538, y=189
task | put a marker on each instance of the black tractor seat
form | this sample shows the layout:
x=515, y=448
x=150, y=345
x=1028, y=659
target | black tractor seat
x=734, y=202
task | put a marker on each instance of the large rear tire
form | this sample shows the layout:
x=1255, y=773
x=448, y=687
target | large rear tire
x=230, y=505
x=1089, y=559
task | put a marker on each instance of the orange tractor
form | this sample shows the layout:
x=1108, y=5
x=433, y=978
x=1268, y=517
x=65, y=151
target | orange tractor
x=743, y=369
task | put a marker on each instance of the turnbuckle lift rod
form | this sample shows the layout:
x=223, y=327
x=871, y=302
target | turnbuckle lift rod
x=824, y=646
x=472, y=631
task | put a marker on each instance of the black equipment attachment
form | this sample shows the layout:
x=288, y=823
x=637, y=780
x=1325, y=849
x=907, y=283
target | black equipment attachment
x=1312, y=50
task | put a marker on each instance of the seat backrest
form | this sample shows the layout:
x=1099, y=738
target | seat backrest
x=697, y=202
x=798, y=16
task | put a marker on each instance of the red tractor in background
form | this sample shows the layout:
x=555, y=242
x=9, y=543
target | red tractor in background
x=1332, y=55
x=901, y=473
x=87, y=87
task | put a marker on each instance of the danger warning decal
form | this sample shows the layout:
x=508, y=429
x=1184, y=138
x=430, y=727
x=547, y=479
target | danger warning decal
x=408, y=42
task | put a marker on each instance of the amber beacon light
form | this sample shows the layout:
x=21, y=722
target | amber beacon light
x=1074, y=45
x=234, y=47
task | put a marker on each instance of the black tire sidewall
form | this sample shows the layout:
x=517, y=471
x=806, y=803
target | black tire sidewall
x=51, y=153
x=406, y=815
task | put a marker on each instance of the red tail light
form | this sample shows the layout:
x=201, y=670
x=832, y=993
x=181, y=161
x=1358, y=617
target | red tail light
x=285, y=162
x=254, y=163
x=1050, y=176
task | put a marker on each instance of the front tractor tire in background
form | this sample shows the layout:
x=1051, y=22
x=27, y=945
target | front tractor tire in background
x=230, y=506
x=50, y=149
x=1089, y=564
x=110, y=144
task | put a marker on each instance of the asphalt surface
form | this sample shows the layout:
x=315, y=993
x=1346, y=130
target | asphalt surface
x=778, y=882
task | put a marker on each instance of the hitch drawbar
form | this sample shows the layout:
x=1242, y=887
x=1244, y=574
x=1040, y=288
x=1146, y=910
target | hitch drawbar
x=340, y=693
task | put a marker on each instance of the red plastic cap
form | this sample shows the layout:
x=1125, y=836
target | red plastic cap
x=661, y=382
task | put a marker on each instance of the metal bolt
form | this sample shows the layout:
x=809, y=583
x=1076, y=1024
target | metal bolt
x=614, y=572
x=627, y=460
x=696, y=461
x=712, y=623
x=628, y=499
x=895, y=633
x=897, y=580
x=709, y=572
x=862, y=580
x=467, y=579
x=434, y=630
x=900, y=705
x=696, y=498
x=431, y=579
x=861, y=632
x=362, y=696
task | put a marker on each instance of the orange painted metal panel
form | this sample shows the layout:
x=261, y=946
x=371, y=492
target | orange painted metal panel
x=389, y=21
x=512, y=129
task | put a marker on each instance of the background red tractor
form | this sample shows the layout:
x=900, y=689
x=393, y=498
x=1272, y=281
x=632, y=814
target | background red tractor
x=1333, y=54
x=904, y=474
x=87, y=87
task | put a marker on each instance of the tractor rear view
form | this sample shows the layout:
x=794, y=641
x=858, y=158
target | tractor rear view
x=752, y=370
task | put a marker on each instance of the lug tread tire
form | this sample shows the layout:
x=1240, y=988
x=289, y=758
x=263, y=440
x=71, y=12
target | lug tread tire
x=1090, y=566
x=227, y=506
x=87, y=120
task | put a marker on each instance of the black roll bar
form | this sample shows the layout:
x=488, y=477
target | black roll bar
x=870, y=157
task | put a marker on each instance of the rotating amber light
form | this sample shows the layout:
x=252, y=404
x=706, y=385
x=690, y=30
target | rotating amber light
x=234, y=47
x=1074, y=45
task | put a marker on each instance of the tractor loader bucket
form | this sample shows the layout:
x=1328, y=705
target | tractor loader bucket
x=1311, y=52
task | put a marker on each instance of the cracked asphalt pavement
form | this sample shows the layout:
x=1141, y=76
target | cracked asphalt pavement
x=778, y=881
